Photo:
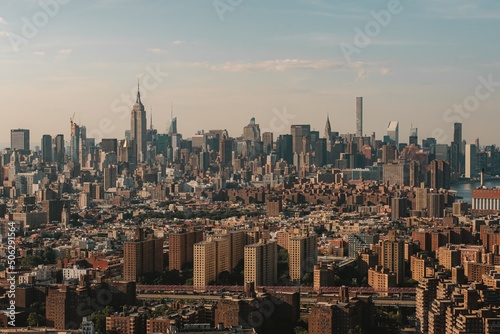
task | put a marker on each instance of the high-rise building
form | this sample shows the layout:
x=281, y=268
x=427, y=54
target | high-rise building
x=435, y=205
x=438, y=174
x=59, y=150
x=226, y=151
x=251, y=132
x=110, y=174
x=142, y=257
x=457, y=150
x=359, y=242
x=320, y=151
x=109, y=145
x=393, y=256
x=399, y=208
x=74, y=144
x=471, y=161
x=298, y=133
x=302, y=256
x=20, y=140
x=261, y=263
x=205, y=264
x=393, y=132
x=413, y=140
x=284, y=148
x=359, y=117
x=328, y=129
x=138, y=129
x=267, y=141
x=47, y=148
x=397, y=173
x=181, y=248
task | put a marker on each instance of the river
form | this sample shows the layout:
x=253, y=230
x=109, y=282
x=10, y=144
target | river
x=465, y=189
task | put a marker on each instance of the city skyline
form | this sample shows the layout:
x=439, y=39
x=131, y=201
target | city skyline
x=231, y=64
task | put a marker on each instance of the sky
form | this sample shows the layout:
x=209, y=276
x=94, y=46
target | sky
x=425, y=63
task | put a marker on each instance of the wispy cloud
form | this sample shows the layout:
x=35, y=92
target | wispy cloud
x=39, y=53
x=2, y=21
x=280, y=65
x=65, y=52
x=157, y=50
x=178, y=42
x=4, y=33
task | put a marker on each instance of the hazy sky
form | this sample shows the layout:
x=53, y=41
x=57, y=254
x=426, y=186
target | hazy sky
x=222, y=62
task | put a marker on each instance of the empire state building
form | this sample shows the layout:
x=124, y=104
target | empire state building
x=138, y=129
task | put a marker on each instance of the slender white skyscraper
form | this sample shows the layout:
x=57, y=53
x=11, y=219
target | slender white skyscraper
x=393, y=132
x=470, y=161
x=138, y=128
x=359, y=117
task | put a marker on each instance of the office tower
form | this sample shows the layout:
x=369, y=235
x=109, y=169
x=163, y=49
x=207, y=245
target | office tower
x=59, y=150
x=267, y=140
x=413, y=140
x=435, y=205
x=75, y=142
x=399, y=208
x=138, y=129
x=205, y=264
x=226, y=151
x=393, y=256
x=20, y=140
x=393, y=132
x=110, y=174
x=397, y=174
x=302, y=256
x=328, y=130
x=142, y=257
x=251, y=132
x=471, y=161
x=442, y=152
x=457, y=151
x=298, y=133
x=261, y=263
x=82, y=147
x=389, y=153
x=359, y=117
x=320, y=152
x=359, y=242
x=47, y=148
x=438, y=174
x=109, y=145
x=181, y=248
x=284, y=148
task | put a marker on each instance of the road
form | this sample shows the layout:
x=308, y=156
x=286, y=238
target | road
x=303, y=299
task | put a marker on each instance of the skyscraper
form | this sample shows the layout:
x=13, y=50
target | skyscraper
x=298, y=132
x=470, y=161
x=59, y=151
x=47, y=148
x=359, y=117
x=393, y=256
x=74, y=144
x=413, y=140
x=328, y=129
x=20, y=140
x=393, y=132
x=457, y=152
x=138, y=129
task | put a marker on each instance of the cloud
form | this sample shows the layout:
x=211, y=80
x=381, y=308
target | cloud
x=384, y=71
x=65, y=52
x=281, y=65
x=39, y=53
x=2, y=21
x=178, y=42
x=157, y=50
x=4, y=34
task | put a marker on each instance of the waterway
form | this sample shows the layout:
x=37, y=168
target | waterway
x=464, y=190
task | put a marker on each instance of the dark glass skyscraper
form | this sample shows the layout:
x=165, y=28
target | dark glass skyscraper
x=20, y=140
x=47, y=148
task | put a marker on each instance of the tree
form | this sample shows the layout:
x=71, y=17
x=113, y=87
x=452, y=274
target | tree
x=35, y=320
